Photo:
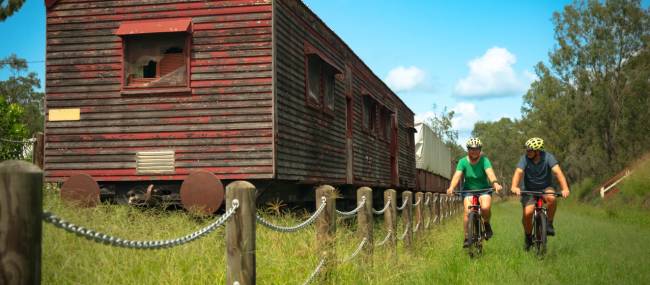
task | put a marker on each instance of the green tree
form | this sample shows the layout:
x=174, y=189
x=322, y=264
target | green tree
x=20, y=89
x=12, y=131
x=591, y=103
x=9, y=7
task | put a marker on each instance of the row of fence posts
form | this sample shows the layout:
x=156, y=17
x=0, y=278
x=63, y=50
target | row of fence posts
x=240, y=229
x=21, y=210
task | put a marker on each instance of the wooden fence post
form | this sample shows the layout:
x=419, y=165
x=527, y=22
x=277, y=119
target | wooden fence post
x=428, y=214
x=21, y=209
x=39, y=148
x=390, y=217
x=240, y=234
x=436, y=207
x=365, y=219
x=407, y=217
x=419, y=218
x=326, y=230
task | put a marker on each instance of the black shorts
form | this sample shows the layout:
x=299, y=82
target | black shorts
x=527, y=199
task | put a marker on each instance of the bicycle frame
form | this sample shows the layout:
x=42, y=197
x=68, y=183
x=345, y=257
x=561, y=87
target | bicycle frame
x=540, y=219
x=475, y=225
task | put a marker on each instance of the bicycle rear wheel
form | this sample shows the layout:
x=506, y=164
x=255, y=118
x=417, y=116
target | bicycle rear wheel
x=473, y=234
x=540, y=233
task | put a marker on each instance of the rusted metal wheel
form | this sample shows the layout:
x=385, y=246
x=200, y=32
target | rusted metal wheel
x=202, y=192
x=81, y=190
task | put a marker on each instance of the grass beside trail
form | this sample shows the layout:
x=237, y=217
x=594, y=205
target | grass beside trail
x=592, y=247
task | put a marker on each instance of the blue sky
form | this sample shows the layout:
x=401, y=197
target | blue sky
x=475, y=57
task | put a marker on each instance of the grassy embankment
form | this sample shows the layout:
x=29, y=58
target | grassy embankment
x=593, y=246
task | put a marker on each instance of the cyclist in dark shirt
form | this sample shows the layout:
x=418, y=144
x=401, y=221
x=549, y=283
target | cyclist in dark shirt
x=536, y=167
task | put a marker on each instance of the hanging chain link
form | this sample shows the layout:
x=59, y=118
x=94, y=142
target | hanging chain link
x=390, y=233
x=417, y=202
x=426, y=202
x=406, y=229
x=31, y=140
x=382, y=210
x=356, y=252
x=300, y=226
x=154, y=244
x=403, y=205
x=315, y=272
x=417, y=227
x=355, y=211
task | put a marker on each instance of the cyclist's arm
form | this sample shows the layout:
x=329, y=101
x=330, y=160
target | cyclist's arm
x=454, y=181
x=492, y=178
x=516, y=179
x=561, y=179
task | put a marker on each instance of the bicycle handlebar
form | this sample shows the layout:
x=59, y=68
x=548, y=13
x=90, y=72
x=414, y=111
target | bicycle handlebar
x=540, y=193
x=475, y=191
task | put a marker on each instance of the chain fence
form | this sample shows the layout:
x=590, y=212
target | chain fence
x=382, y=210
x=355, y=210
x=289, y=229
x=315, y=272
x=390, y=233
x=103, y=238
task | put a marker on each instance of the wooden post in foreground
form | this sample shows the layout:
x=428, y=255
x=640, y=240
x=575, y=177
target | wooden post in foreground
x=419, y=217
x=240, y=234
x=21, y=209
x=37, y=151
x=407, y=217
x=365, y=220
x=326, y=230
x=428, y=214
x=390, y=218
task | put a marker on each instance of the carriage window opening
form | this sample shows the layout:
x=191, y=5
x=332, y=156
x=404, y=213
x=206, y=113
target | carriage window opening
x=320, y=82
x=386, y=126
x=155, y=60
x=369, y=113
x=149, y=70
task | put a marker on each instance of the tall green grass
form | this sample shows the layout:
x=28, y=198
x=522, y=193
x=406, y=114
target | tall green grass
x=592, y=247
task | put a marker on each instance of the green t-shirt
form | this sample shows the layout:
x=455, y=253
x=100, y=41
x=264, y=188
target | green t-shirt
x=474, y=174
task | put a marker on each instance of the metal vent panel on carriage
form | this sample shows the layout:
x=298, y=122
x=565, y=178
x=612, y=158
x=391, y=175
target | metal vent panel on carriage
x=155, y=162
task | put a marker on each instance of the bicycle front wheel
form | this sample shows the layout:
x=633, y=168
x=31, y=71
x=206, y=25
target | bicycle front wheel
x=473, y=233
x=540, y=233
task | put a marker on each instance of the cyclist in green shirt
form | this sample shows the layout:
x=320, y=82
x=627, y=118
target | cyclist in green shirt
x=477, y=173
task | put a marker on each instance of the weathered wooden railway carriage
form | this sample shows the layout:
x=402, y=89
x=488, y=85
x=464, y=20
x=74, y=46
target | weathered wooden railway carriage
x=263, y=90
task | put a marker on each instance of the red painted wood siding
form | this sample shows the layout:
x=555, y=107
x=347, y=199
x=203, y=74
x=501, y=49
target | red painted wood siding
x=224, y=126
x=311, y=145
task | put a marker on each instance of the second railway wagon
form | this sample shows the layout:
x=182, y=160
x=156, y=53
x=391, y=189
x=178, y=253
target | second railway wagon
x=146, y=92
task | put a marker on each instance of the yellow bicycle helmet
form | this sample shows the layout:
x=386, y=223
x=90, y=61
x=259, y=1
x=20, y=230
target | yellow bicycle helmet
x=473, y=143
x=535, y=144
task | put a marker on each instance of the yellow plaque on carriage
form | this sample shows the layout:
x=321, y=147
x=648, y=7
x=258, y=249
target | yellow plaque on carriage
x=71, y=114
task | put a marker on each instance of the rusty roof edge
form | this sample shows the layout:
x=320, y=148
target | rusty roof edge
x=355, y=54
x=50, y=3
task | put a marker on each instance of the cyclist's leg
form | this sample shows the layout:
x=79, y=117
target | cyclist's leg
x=467, y=201
x=551, y=203
x=486, y=204
x=527, y=218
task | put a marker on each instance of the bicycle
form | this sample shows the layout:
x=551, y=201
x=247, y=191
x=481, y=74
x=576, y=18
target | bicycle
x=540, y=221
x=475, y=227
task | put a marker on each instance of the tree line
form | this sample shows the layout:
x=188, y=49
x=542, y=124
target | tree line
x=591, y=102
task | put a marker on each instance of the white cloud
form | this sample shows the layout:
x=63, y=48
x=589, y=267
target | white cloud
x=424, y=117
x=405, y=78
x=465, y=115
x=492, y=75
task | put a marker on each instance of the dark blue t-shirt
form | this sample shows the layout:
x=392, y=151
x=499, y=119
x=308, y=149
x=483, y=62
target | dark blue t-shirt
x=537, y=176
